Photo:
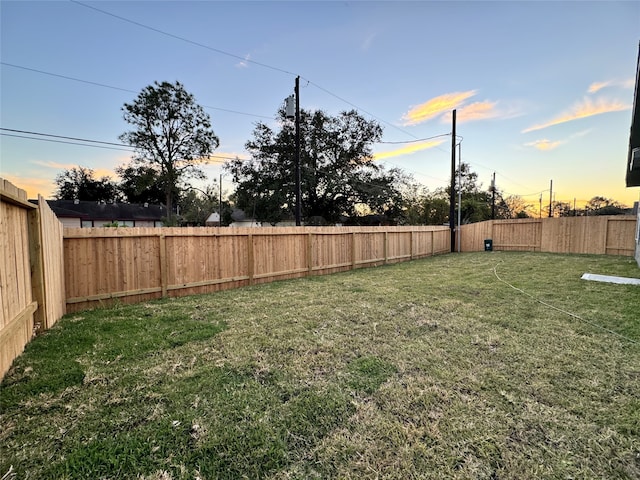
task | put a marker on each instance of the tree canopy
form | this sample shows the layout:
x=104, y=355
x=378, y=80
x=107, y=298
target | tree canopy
x=80, y=183
x=338, y=175
x=172, y=135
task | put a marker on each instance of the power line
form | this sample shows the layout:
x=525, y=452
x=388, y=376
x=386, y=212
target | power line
x=238, y=57
x=183, y=39
x=418, y=139
x=66, y=138
x=62, y=141
x=66, y=77
x=25, y=134
x=104, y=85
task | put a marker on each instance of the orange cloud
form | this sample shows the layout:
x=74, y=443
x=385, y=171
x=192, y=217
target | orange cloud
x=33, y=186
x=544, y=144
x=474, y=111
x=435, y=107
x=409, y=149
x=597, y=86
x=584, y=109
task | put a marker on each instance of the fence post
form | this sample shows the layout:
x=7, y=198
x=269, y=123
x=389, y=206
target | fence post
x=36, y=260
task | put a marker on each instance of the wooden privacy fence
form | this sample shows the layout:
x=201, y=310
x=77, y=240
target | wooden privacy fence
x=601, y=235
x=136, y=264
x=32, y=295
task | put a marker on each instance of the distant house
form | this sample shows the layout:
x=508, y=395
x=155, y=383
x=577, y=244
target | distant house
x=213, y=220
x=82, y=213
x=241, y=219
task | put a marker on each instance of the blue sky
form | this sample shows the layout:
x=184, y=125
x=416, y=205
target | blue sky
x=543, y=90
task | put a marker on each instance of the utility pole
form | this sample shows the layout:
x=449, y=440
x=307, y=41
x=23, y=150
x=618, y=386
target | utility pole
x=220, y=219
x=459, y=195
x=540, y=209
x=452, y=195
x=551, y=199
x=298, y=187
x=493, y=197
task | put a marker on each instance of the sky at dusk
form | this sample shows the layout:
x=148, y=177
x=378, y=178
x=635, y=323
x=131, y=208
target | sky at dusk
x=542, y=90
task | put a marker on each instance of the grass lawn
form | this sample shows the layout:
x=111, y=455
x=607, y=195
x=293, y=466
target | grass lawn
x=428, y=369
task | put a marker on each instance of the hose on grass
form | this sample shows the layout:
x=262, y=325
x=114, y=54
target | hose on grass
x=573, y=315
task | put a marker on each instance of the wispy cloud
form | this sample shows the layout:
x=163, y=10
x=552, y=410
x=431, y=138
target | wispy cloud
x=33, y=186
x=368, y=41
x=407, y=150
x=244, y=63
x=436, y=106
x=544, y=144
x=474, y=111
x=597, y=86
x=585, y=108
x=54, y=165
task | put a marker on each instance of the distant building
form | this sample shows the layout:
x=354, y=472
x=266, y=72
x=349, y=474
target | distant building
x=633, y=159
x=213, y=220
x=82, y=213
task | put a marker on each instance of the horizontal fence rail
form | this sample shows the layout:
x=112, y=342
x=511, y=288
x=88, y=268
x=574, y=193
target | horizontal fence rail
x=130, y=265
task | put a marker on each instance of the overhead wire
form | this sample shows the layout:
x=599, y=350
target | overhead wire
x=183, y=39
x=241, y=58
x=75, y=79
x=84, y=142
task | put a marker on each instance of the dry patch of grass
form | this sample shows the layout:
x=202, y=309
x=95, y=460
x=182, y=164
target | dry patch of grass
x=429, y=369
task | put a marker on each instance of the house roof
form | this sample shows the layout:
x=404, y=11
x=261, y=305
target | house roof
x=107, y=211
x=633, y=161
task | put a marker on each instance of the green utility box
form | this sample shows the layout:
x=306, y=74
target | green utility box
x=488, y=245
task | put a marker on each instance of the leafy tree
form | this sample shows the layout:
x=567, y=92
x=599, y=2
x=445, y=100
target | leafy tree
x=517, y=207
x=436, y=209
x=172, y=135
x=141, y=184
x=561, y=209
x=196, y=205
x=80, y=183
x=338, y=175
x=604, y=206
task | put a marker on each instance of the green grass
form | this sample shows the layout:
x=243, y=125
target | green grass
x=429, y=369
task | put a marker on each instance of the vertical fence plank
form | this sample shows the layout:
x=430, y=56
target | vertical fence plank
x=164, y=267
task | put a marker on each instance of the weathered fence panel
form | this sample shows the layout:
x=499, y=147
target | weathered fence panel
x=135, y=264
x=603, y=235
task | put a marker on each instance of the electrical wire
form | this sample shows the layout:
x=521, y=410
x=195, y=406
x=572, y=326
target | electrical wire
x=104, y=85
x=66, y=142
x=572, y=315
x=183, y=39
x=86, y=142
x=66, y=138
x=241, y=58
x=418, y=139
